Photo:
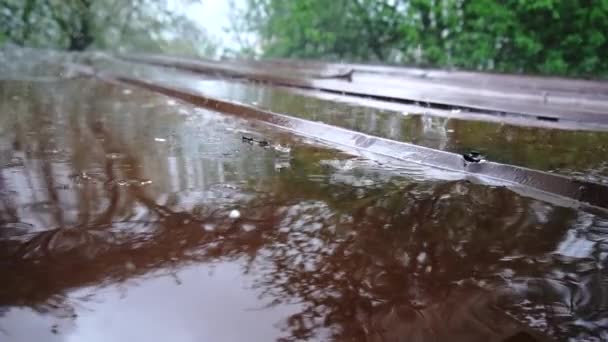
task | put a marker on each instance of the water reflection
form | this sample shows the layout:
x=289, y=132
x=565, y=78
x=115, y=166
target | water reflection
x=116, y=193
x=568, y=152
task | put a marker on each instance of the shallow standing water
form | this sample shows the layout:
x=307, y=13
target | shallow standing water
x=127, y=215
x=578, y=153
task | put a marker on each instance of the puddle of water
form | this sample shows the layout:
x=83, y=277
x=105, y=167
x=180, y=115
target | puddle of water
x=123, y=234
x=568, y=152
x=116, y=312
x=573, y=153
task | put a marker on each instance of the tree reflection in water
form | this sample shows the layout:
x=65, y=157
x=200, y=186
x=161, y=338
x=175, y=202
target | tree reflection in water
x=90, y=198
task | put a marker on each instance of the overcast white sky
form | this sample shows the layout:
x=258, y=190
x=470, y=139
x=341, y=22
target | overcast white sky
x=214, y=16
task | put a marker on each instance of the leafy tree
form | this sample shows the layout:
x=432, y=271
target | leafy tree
x=566, y=37
x=142, y=25
x=316, y=28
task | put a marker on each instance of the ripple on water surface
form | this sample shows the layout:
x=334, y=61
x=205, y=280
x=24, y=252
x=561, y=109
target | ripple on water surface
x=125, y=236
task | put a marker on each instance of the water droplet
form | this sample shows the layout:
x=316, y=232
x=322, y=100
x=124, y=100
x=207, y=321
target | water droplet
x=421, y=257
x=80, y=177
x=122, y=182
x=248, y=227
x=114, y=155
x=234, y=214
x=282, y=149
x=127, y=91
x=171, y=102
x=160, y=139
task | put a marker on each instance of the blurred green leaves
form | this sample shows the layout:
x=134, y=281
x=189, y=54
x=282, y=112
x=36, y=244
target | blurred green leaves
x=562, y=37
x=117, y=25
x=559, y=37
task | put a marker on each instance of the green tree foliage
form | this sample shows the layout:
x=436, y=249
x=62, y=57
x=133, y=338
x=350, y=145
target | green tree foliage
x=138, y=25
x=565, y=37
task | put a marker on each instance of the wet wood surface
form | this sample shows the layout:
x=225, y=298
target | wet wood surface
x=541, y=98
x=152, y=203
x=532, y=182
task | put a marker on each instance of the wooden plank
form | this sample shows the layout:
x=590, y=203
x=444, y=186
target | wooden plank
x=500, y=99
x=484, y=79
x=534, y=183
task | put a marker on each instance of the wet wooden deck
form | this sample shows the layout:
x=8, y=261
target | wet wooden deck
x=566, y=190
x=541, y=98
x=213, y=201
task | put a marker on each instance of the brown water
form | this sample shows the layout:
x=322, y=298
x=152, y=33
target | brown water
x=126, y=215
